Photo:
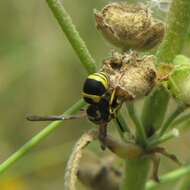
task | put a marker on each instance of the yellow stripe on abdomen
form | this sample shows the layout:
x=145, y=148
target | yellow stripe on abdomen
x=101, y=77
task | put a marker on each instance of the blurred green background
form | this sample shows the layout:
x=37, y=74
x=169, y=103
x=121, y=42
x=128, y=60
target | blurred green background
x=41, y=74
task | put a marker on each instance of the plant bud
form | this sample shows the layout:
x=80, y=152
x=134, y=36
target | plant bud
x=129, y=26
x=179, y=79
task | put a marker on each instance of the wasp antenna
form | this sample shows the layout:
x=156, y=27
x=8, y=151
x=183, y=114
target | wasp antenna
x=55, y=117
x=45, y=118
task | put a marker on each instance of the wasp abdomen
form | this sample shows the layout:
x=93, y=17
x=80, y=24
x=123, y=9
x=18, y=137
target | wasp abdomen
x=94, y=87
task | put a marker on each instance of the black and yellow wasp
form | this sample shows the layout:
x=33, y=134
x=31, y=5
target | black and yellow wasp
x=103, y=103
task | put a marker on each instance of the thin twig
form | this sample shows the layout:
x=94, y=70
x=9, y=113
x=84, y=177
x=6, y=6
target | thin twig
x=72, y=34
x=182, y=119
x=122, y=126
x=177, y=30
x=38, y=138
x=167, y=136
x=139, y=127
x=171, y=118
x=169, y=177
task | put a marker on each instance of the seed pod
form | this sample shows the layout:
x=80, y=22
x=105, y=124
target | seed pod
x=129, y=26
x=97, y=172
x=125, y=151
x=179, y=79
x=131, y=75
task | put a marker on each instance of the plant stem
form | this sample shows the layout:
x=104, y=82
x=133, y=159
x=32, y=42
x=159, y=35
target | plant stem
x=181, y=120
x=171, y=176
x=171, y=118
x=136, y=173
x=72, y=34
x=140, y=133
x=55, y=157
x=184, y=184
x=124, y=127
x=38, y=138
x=178, y=25
x=167, y=136
x=154, y=110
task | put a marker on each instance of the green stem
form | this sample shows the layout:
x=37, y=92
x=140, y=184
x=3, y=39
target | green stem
x=184, y=184
x=38, y=138
x=167, y=136
x=72, y=34
x=140, y=133
x=171, y=118
x=171, y=176
x=55, y=157
x=125, y=127
x=136, y=174
x=121, y=125
x=181, y=120
x=178, y=25
x=154, y=110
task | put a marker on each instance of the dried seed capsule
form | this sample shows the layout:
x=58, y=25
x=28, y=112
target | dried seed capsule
x=134, y=77
x=179, y=79
x=129, y=26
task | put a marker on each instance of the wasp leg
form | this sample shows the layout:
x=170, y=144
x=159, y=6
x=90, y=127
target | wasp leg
x=168, y=155
x=82, y=110
x=112, y=97
x=103, y=135
x=44, y=118
x=156, y=164
x=55, y=117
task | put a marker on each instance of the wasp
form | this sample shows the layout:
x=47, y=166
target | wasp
x=103, y=104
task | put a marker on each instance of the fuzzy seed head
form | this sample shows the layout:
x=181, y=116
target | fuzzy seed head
x=133, y=76
x=129, y=26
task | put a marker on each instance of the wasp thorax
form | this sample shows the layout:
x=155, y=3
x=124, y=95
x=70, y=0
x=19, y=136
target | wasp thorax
x=134, y=77
x=129, y=26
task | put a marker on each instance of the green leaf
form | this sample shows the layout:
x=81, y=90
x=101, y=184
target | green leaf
x=179, y=79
